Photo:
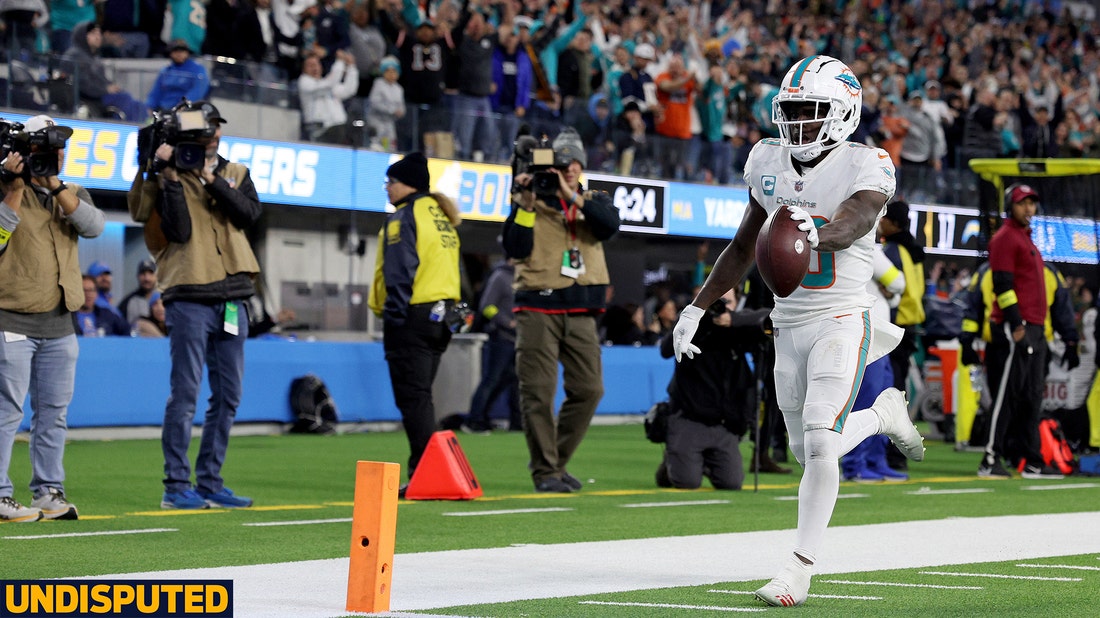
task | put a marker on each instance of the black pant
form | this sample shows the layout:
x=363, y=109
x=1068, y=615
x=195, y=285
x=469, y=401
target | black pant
x=413, y=351
x=1017, y=373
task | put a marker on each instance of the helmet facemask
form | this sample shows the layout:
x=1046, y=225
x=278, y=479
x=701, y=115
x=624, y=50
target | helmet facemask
x=805, y=126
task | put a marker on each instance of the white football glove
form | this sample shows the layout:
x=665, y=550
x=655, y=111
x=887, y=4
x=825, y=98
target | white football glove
x=806, y=224
x=685, y=331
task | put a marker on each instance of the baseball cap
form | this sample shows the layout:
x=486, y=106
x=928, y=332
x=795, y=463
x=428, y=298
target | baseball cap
x=522, y=21
x=179, y=44
x=147, y=266
x=41, y=121
x=932, y=84
x=98, y=268
x=646, y=51
x=916, y=94
x=1019, y=193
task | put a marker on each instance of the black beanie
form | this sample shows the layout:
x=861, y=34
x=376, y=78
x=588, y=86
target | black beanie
x=411, y=170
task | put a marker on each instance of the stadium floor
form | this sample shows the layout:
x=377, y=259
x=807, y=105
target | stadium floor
x=423, y=581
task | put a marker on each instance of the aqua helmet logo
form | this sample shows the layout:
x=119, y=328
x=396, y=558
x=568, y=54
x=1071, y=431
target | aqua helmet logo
x=851, y=84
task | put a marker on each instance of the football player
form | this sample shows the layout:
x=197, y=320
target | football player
x=825, y=334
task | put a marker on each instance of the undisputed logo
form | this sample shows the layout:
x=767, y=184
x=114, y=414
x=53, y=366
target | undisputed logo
x=120, y=598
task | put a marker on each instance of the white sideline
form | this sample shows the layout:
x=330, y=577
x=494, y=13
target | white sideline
x=317, y=588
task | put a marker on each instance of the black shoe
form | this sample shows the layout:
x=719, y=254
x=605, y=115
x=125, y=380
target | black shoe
x=573, y=482
x=991, y=467
x=1032, y=471
x=401, y=491
x=552, y=485
x=475, y=428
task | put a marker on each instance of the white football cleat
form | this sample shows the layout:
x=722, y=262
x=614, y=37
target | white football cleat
x=893, y=415
x=790, y=587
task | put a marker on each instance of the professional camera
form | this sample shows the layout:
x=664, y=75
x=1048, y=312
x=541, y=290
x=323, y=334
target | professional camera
x=181, y=127
x=38, y=141
x=717, y=309
x=536, y=157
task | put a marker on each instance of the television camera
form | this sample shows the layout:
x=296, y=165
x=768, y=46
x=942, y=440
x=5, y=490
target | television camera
x=535, y=156
x=180, y=127
x=39, y=148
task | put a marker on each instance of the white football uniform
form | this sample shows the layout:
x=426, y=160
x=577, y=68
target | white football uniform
x=824, y=331
x=836, y=282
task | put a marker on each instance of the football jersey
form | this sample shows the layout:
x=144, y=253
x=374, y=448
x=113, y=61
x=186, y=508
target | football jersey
x=837, y=281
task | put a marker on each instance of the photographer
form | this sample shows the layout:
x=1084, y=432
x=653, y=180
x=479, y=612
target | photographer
x=555, y=233
x=196, y=207
x=40, y=221
x=712, y=398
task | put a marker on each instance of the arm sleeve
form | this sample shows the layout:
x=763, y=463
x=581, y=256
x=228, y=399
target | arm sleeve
x=886, y=274
x=8, y=222
x=87, y=220
x=199, y=86
x=518, y=233
x=241, y=205
x=175, y=218
x=399, y=265
x=600, y=214
x=1061, y=313
x=974, y=306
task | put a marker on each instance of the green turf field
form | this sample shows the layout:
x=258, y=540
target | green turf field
x=116, y=485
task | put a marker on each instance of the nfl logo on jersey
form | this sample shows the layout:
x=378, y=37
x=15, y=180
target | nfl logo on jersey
x=799, y=184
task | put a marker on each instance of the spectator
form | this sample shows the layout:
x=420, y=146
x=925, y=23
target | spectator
x=123, y=35
x=893, y=128
x=416, y=285
x=712, y=399
x=93, y=320
x=387, y=106
x=675, y=98
x=472, y=124
x=922, y=151
x=331, y=23
x=136, y=304
x=233, y=30
x=64, y=16
x=498, y=354
x=188, y=24
x=21, y=19
x=637, y=85
x=369, y=48
x=662, y=322
x=623, y=325
x=101, y=274
x=323, y=112
x=41, y=220
x=513, y=77
x=90, y=75
x=595, y=128
x=183, y=79
x=420, y=49
x=711, y=107
x=199, y=219
x=561, y=286
x=152, y=324
x=1039, y=139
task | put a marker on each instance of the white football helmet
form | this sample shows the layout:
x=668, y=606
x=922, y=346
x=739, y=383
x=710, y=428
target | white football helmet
x=837, y=100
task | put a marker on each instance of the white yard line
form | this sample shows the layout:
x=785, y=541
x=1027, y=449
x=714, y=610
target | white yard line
x=840, y=497
x=646, y=505
x=505, y=512
x=712, y=608
x=818, y=596
x=301, y=522
x=948, y=492
x=1003, y=576
x=1060, y=566
x=73, y=534
x=900, y=584
x=1059, y=487
x=432, y=580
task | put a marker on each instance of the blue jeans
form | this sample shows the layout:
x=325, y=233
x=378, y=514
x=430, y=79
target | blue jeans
x=46, y=368
x=473, y=126
x=498, y=376
x=196, y=336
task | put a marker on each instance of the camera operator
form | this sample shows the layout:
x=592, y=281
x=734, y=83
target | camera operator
x=712, y=397
x=197, y=210
x=555, y=232
x=41, y=220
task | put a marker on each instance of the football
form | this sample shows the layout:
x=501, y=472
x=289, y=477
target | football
x=782, y=253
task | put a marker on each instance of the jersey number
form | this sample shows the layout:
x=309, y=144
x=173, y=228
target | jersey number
x=822, y=272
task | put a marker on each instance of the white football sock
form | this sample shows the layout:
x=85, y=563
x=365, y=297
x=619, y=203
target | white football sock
x=818, y=490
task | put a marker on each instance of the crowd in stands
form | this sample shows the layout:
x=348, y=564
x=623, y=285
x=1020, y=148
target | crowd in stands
x=660, y=88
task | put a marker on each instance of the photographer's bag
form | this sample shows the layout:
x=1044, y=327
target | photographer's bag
x=312, y=405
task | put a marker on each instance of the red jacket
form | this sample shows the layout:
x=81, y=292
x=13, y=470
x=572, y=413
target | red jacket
x=1011, y=251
